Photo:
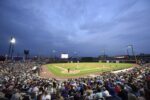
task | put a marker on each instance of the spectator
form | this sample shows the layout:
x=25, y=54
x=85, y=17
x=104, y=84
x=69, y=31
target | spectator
x=18, y=81
x=16, y=95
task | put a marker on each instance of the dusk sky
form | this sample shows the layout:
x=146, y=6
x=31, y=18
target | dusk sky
x=87, y=27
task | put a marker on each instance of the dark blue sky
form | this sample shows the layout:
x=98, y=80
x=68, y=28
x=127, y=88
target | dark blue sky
x=83, y=26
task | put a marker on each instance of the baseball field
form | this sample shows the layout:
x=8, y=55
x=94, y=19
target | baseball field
x=80, y=69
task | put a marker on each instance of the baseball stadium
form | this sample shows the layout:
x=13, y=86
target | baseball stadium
x=74, y=49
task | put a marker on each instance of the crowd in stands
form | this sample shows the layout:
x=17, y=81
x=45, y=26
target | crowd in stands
x=19, y=82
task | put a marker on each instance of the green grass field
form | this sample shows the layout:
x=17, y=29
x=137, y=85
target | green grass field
x=79, y=69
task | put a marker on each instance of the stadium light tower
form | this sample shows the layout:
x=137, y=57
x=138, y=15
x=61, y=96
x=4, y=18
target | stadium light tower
x=13, y=41
x=131, y=46
x=11, y=46
x=127, y=52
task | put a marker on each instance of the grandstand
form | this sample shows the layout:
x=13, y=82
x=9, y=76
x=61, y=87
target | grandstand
x=22, y=80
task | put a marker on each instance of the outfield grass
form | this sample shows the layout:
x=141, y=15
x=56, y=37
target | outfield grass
x=84, y=68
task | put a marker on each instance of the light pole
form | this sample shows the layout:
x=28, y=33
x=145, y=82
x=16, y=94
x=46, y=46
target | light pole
x=131, y=46
x=11, y=47
x=128, y=54
x=13, y=41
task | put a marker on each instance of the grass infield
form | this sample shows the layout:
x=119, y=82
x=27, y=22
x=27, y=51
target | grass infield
x=79, y=69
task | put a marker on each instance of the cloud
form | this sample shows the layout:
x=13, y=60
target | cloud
x=75, y=25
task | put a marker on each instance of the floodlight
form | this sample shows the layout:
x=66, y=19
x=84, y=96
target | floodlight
x=13, y=40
